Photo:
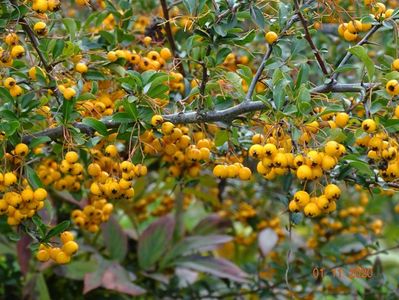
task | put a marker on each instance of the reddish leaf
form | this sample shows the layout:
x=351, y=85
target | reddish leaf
x=115, y=239
x=154, y=241
x=212, y=224
x=267, y=240
x=218, y=267
x=118, y=279
x=24, y=253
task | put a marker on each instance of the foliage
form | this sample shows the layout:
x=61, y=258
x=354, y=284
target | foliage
x=199, y=149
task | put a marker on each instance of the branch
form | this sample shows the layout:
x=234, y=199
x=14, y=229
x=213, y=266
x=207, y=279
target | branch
x=231, y=113
x=225, y=115
x=295, y=18
x=255, y=79
x=348, y=55
x=56, y=132
x=169, y=35
x=309, y=39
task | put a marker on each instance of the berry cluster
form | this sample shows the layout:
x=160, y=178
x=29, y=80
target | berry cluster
x=60, y=255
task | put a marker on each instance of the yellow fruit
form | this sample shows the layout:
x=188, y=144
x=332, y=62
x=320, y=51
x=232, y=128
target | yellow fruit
x=70, y=248
x=71, y=157
x=245, y=173
x=111, y=151
x=165, y=53
x=81, y=67
x=392, y=87
x=62, y=258
x=40, y=28
x=9, y=179
x=293, y=207
x=301, y=198
x=11, y=39
x=156, y=120
x=53, y=5
x=69, y=93
x=21, y=149
x=354, y=26
x=271, y=37
x=167, y=128
x=40, y=6
x=397, y=111
x=349, y=36
x=39, y=194
x=43, y=255
x=369, y=125
x=16, y=91
x=311, y=210
x=17, y=51
x=147, y=40
x=111, y=56
x=269, y=150
x=342, y=28
x=304, y=172
x=341, y=119
x=256, y=151
x=395, y=65
x=9, y=82
x=94, y=169
x=332, y=192
x=332, y=148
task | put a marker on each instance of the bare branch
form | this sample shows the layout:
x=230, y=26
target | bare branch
x=308, y=37
x=348, y=55
x=225, y=115
x=169, y=35
x=258, y=73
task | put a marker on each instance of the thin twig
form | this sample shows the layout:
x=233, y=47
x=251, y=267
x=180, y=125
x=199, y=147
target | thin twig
x=255, y=79
x=348, y=55
x=169, y=36
x=308, y=37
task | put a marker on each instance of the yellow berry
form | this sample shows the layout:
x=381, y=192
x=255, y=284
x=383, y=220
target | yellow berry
x=271, y=37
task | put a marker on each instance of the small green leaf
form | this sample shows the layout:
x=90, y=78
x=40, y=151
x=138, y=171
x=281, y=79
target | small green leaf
x=257, y=16
x=361, y=53
x=32, y=177
x=130, y=109
x=96, y=124
x=221, y=137
x=94, y=75
x=5, y=94
x=61, y=227
x=70, y=26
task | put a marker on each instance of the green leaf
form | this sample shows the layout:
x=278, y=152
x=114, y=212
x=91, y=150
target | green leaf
x=5, y=95
x=257, y=17
x=154, y=241
x=70, y=26
x=58, y=48
x=115, y=239
x=361, y=53
x=9, y=128
x=32, y=177
x=96, y=125
x=94, y=75
x=130, y=109
x=77, y=270
x=40, y=226
x=221, y=55
x=221, y=137
x=61, y=227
